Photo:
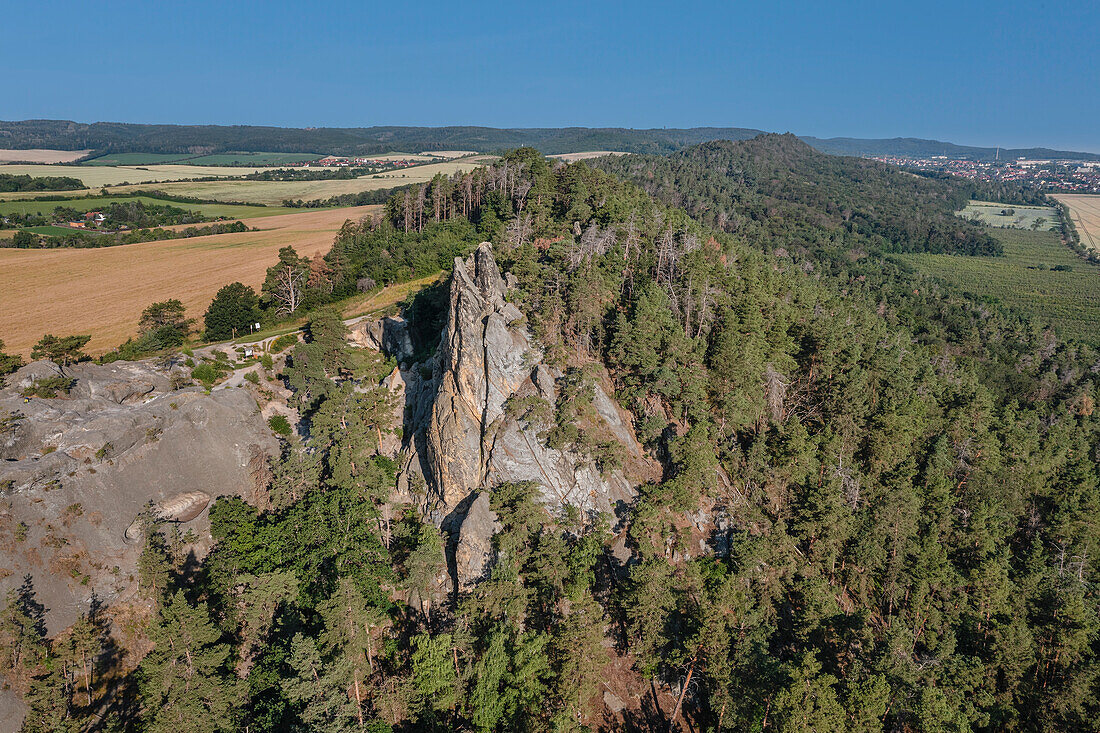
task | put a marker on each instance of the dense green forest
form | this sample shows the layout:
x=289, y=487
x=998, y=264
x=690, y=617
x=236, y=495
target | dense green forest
x=116, y=137
x=11, y=183
x=877, y=510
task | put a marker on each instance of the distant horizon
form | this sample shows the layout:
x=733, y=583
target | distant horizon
x=989, y=74
x=1016, y=146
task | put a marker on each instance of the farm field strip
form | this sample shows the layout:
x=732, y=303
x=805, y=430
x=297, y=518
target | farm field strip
x=1024, y=279
x=584, y=155
x=233, y=211
x=275, y=192
x=41, y=155
x=122, y=159
x=256, y=158
x=102, y=175
x=1084, y=210
x=50, y=230
x=103, y=291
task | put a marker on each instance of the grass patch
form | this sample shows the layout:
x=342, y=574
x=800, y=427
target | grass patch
x=49, y=387
x=1038, y=276
x=1012, y=216
x=136, y=159
x=51, y=231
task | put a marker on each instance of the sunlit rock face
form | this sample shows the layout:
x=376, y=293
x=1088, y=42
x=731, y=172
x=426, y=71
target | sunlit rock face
x=460, y=441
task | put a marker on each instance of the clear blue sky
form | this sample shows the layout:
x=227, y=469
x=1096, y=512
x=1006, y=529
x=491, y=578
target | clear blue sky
x=1007, y=73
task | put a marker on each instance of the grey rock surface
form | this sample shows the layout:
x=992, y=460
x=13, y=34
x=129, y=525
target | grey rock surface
x=389, y=334
x=459, y=439
x=76, y=471
x=474, y=546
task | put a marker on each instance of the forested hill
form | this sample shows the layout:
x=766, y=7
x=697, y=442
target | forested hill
x=120, y=137
x=779, y=183
x=920, y=148
x=876, y=509
x=125, y=137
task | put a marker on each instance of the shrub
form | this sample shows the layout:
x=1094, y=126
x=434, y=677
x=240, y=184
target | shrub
x=49, y=387
x=63, y=350
x=283, y=342
x=253, y=377
x=25, y=240
x=267, y=362
x=279, y=425
x=234, y=309
x=208, y=373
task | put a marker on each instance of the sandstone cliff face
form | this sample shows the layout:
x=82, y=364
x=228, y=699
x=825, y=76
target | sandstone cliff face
x=76, y=471
x=460, y=441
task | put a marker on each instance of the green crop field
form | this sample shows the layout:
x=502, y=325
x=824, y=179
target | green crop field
x=253, y=158
x=1022, y=217
x=51, y=231
x=231, y=211
x=1024, y=279
x=136, y=158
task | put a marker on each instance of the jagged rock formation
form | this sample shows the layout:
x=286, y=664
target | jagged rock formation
x=76, y=471
x=460, y=441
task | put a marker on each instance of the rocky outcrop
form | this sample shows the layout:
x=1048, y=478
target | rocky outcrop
x=389, y=334
x=459, y=439
x=75, y=472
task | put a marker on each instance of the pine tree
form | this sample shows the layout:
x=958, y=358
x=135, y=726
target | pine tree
x=185, y=681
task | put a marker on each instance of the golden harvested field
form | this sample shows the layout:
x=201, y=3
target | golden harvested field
x=1084, y=209
x=103, y=291
x=571, y=157
x=275, y=192
x=449, y=153
x=95, y=176
x=39, y=155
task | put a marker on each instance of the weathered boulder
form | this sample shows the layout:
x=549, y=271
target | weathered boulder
x=182, y=507
x=76, y=471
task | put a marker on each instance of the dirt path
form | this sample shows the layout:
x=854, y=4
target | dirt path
x=103, y=291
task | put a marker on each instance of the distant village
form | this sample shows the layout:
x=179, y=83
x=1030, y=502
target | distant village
x=1045, y=175
x=336, y=161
